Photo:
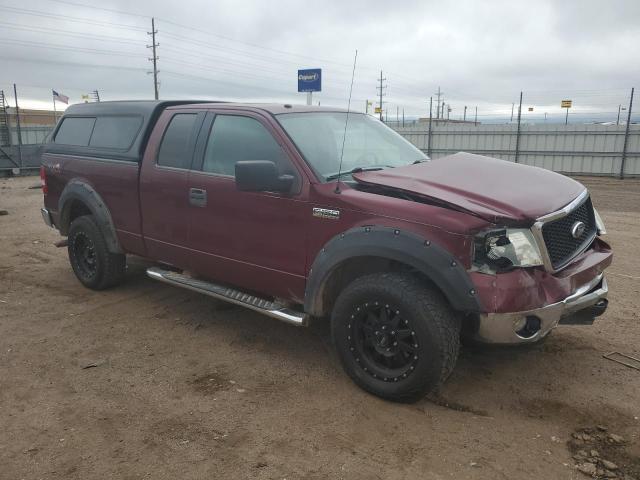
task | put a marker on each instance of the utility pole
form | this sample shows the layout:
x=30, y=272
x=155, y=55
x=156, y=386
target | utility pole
x=438, y=103
x=154, y=59
x=15, y=95
x=397, y=115
x=448, y=111
x=512, y=104
x=620, y=107
x=381, y=93
x=96, y=96
x=464, y=118
x=403, y=117
x=626, y=136
x=442, y=110
x=430, y=118
x=518, y=131
x=475, y=122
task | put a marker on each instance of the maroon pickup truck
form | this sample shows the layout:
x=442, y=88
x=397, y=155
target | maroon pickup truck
x=274, y=208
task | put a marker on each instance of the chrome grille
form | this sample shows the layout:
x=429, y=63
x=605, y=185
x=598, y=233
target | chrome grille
x=561, y=245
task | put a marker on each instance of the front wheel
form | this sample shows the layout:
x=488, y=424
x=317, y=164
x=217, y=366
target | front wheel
x=92, y=262
x=396, y=337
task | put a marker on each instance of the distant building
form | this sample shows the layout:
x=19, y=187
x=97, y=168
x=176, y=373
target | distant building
x=33, y=118
x=35, y=126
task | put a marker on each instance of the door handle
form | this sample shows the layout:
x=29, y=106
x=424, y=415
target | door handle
x=198, y=197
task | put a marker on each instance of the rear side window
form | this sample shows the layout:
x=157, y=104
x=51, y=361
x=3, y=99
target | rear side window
x=116, y=132
x=174, y=149
x=75, y=131
x=235, y=139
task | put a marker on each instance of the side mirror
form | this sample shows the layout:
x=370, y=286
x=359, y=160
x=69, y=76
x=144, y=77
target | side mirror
x=261, y=176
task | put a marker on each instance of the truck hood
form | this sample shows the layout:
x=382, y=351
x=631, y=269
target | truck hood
x=496, y=190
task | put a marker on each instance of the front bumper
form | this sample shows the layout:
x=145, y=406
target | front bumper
x=581, y=307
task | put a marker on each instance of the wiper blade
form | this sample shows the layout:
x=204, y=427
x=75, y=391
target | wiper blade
x=333, y=176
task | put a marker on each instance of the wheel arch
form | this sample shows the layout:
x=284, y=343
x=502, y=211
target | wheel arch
x=79, y=198
x=364, y=250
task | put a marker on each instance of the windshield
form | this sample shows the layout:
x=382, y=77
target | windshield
x=369, y=144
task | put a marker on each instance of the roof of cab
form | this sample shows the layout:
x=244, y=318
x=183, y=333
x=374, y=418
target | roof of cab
x=148, y=110
x=140, y=107
x=272, y=108
x=150, y=107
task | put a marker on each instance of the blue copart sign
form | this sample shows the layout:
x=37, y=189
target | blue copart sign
x=310, y=80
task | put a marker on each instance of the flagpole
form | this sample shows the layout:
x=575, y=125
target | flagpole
x=55, y=119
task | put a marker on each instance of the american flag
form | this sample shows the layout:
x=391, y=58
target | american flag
x=60, y=97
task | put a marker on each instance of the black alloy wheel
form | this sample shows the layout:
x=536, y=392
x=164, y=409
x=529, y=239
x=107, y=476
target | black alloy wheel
x=383, y=341
x=396, y=335
x=94, y=265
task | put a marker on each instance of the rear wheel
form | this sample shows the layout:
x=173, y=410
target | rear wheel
x=396, y=336
x=93, y=264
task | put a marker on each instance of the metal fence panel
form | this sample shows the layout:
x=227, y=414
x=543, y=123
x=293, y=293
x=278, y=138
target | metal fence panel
x=574, y=149
x=31, y=135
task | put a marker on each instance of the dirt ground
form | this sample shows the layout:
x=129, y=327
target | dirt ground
x=150, y=381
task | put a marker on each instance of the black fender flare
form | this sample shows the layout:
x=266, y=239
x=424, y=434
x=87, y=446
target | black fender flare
x=81, y=191
x=432, y=260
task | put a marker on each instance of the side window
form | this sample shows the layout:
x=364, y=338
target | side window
x=75, y=131
x=115, y=132
x=175, y=143
x=234, y=139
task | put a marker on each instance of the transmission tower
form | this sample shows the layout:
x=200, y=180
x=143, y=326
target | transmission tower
x=381, y=87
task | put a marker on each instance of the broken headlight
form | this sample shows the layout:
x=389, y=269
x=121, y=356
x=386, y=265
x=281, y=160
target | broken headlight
x=501, y=250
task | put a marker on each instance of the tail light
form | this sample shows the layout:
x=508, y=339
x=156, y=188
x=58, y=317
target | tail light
x=43, y=180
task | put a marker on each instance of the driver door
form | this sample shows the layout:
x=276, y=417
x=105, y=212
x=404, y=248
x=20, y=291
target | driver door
x=253, y=240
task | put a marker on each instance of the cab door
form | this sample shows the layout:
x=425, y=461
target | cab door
x=253, y=240
x=164, y=192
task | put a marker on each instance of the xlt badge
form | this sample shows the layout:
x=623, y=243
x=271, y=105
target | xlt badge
x=326, y=213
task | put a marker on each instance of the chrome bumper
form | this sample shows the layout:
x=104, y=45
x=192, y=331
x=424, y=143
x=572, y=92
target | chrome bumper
x=531, y=325
x=46, y=216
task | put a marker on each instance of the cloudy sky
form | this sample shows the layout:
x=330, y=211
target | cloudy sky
x=480, y=53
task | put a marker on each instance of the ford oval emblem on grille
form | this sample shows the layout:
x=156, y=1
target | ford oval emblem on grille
x=577, y=229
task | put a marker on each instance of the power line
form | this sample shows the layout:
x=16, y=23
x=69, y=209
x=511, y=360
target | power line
x=190, y=28
x=32, y=44
x=110, y=10
x=68, y=18
x=76, y=64
x=188, y=40
x=17, y=26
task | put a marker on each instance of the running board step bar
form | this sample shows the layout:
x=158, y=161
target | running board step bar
x=231, y=295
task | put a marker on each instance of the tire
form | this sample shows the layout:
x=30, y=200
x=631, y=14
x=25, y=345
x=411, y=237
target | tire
x=377, y=310
x=93, y=264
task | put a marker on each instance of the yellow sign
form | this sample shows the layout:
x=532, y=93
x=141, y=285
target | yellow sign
x=565, y=104
x=378, y=110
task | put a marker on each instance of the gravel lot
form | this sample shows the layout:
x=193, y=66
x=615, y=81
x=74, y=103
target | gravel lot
x=150, y=381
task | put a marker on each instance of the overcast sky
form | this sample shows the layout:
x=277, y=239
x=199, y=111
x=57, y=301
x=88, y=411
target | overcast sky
x=480, y=53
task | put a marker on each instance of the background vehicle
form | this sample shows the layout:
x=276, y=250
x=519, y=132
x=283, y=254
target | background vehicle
x=404, y=254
